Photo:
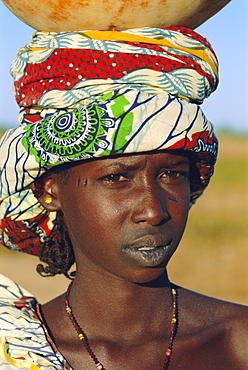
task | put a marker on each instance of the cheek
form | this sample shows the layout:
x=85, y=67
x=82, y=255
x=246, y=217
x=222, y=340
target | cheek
x=184, y=198
x=180, y=194
x=91, y=216
x=179, y=205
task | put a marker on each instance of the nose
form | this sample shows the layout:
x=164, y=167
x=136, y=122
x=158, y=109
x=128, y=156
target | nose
x=150, y=206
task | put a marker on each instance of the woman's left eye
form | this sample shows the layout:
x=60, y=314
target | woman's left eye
x=169, y=174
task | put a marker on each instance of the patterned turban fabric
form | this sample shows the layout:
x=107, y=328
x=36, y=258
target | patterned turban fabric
x=92, y=94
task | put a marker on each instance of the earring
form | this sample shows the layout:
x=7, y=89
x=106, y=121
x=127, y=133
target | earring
x=48, y=200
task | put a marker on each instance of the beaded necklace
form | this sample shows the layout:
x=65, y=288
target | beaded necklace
x=82, y=336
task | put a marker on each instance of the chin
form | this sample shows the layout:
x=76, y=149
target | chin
x=155, y=276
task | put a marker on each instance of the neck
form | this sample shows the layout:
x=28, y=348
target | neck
x=121, y=305
x=83, y=337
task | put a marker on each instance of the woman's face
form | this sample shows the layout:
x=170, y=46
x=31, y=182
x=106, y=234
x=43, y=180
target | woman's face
x=126, y=215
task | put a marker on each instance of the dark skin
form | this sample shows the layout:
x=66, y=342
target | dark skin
x=114, y=208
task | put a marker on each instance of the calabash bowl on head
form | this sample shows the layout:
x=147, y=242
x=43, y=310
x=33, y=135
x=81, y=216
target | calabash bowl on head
x=72, y=15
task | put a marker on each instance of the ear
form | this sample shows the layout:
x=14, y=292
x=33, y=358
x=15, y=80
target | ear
x=47, y=193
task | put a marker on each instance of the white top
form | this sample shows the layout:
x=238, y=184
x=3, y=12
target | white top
x=24, y=341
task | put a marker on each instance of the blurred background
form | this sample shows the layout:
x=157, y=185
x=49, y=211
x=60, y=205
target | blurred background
x=213, y=255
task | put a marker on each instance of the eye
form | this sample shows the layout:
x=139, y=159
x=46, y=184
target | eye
x=169, y=173
x=115, y=178
x=174, y=175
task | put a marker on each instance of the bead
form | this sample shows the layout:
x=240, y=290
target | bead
x=83, y=338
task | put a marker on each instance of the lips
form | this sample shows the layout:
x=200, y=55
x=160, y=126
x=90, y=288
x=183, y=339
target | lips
x=150, y=242
x=149, y=250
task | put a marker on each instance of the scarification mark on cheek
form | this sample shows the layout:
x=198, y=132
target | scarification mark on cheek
x=79, y=181
x=173, y=199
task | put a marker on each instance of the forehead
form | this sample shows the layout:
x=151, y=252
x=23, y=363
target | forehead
x=132, y=161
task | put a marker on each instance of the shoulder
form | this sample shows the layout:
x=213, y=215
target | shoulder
x=216, y=325
x=16, y=306
x=10, y=290
x=211, y=308
x=22, y=337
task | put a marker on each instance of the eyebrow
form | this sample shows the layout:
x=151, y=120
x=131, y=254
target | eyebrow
x=128, y=168
x=117, y=165
x=177, y=164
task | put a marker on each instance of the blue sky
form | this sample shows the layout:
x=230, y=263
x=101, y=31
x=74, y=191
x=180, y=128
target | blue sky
x=227, y=31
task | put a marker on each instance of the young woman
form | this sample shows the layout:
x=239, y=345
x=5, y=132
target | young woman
x=102, y=172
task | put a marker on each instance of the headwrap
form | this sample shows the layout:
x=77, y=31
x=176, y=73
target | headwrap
x=92, y=94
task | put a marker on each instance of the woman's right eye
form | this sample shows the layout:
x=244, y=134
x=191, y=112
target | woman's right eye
x=115, y=178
